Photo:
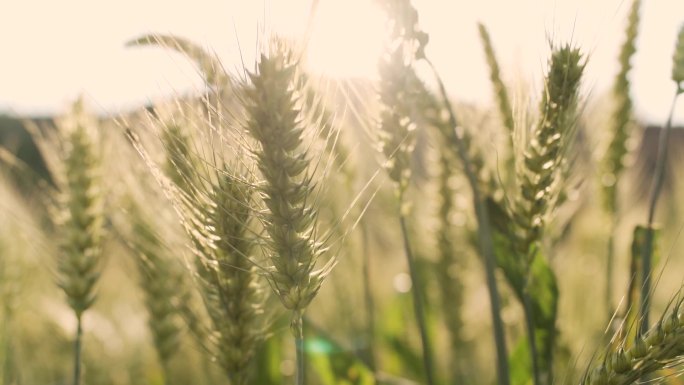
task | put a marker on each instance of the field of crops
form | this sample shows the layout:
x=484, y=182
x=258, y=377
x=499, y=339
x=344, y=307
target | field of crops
x=282, y=227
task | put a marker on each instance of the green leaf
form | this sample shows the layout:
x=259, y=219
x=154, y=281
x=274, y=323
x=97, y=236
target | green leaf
x=542, y=285
x=520, y=363
x=335, y=365
x=402, y=357
x=268, y=360
x=636, y=276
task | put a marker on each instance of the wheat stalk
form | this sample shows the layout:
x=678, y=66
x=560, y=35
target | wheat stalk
x=450, y=260
x=398, y=90
x=272, y=105
x=678, y=60
x=621, y=125
x=79, y=221
x=658, y=179
x=540, y=179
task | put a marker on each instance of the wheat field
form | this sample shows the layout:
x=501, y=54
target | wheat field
x=277, y=226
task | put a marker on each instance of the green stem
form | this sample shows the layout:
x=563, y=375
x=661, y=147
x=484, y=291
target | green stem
x=610, y=262
x=368, y=299
x=529, y=323
x=299, y=348
x=418, y=306
x=647, y=250
x=485, y=238
x=77, y=350
x=8, y=374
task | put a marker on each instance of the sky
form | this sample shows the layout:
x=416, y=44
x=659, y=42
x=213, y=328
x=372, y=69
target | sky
x=54, y=51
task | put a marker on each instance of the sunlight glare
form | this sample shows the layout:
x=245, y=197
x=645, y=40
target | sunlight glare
x=347, y=39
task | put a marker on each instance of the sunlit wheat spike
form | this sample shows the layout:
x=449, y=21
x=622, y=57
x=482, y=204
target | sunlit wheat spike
x=661, y=347
x=622, y=115
x=214, y=194
x=209, y=64
x=540, y=180
x=181, y=164
x=404, y=25
x=678, y=60
x=397, y=91
x=543, y=157
x=329, y=131
x=500, y=90
x=80, y=218
x=288, y=189
x=228, y=278
x=163, y=285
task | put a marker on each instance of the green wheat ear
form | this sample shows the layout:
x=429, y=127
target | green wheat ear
x=625, y=362
x=678, y=60
x=181, y=165
x=397, y=136
x=79, y=220
x=163, y=285
x=80, y=214
x=544, y=155
x=622, y=115
x=540, y=181
x=500, y=90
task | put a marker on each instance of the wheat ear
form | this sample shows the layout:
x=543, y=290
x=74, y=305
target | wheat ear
x=501, y=94
x=660, y=347
x=539, y=179
x=397, y=91
x=274, y=120
x=80, y=222
x=163, y=285
x=228, y=278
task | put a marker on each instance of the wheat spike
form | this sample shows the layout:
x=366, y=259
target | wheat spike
x=163, y=285
x=622, y=115
x=678, y=60
x=274, y=121
x=661, y=347
x=81, y=217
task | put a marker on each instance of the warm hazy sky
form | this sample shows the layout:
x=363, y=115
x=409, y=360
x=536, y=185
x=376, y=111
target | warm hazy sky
x=54, y=50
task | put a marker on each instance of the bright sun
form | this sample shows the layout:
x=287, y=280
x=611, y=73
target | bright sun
x=347, y=38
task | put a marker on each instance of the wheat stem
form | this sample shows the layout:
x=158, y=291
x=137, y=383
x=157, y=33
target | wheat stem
x=484, y=233
x=369, y=300
x=647, y=250
x=298, y=329
x=77, y=351
x=418, y=306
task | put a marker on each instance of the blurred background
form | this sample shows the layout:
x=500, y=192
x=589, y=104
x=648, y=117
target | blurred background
x=54, y=51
